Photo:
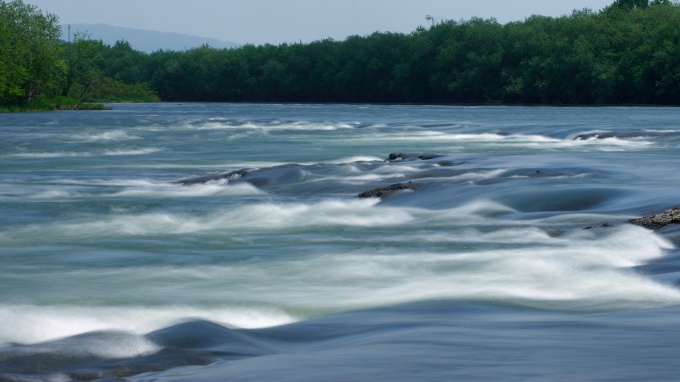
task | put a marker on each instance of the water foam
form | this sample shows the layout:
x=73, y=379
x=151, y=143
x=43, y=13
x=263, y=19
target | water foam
x=574, y=271
x=252, y=217
x=223, y=123
x=107, y=345
x=354, y=159
x=530, y=268
x=66, y=154
x=558, y=274
x=171, y=190
x=51, y=195
x=107, y=136
x=138, y=188
x=495, y=141
x=26, y=324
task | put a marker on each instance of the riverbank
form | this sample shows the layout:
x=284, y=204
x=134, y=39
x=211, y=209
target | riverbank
x=56, y=103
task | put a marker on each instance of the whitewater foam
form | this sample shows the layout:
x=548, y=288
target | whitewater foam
x=26, y=324
x=171, y=190
x=106, y=345
x=496, y=141
x=251, y=217
x=66, y=154
x=114, y=135
x=229, y=124
x=534, y=269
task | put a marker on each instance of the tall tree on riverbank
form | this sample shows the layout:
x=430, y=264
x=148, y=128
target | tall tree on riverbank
x=39, y=71
x=82, y=72
x=29, y=51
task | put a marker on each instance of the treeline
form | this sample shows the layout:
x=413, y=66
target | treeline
x=627, y=53
x=39, y=71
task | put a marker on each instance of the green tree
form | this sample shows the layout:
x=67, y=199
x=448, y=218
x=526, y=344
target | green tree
x=631, y=4
x=29, y=51
x=82, y=67
x=123, y=62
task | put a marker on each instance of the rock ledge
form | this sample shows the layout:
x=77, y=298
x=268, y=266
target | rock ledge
x=385, y=191
x=657, y=221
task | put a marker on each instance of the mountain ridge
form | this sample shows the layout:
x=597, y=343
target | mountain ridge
x=143, y=39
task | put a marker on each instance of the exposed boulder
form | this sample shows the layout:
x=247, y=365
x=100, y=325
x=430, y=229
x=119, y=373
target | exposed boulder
x=657, y=221
x=399, y=157
x=381, y=192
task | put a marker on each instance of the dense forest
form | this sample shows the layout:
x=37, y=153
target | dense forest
x=627, y=53
x=39, y=71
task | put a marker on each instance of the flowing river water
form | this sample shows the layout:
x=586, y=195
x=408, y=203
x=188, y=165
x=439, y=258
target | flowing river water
x=189, y=242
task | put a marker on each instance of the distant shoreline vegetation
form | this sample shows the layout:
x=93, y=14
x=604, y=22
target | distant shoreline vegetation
x=627, y=53
x=38, y=71
x=56, y=103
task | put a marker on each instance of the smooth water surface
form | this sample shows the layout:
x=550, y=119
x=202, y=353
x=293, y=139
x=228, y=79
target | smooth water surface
x=185, y=242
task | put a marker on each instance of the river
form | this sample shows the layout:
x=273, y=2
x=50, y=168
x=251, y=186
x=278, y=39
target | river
x=205, y=242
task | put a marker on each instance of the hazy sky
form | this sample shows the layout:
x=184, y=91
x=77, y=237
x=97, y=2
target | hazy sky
x=278, y=21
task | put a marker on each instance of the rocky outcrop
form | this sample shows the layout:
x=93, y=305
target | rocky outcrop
x=381, y=192
x=233, y=175
x=657, y=221
x=399, y=157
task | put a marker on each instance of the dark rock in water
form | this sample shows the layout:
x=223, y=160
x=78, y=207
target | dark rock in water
x=620, y=135
x=211, y=178
x=605, y=225
x=385, y=191
x=657, y=221
x=597, y=135
x=399, y=156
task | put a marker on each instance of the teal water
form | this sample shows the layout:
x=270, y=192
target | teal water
x=227, y=242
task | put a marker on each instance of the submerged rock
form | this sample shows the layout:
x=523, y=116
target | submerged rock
x=657, y=221
x=622, y=135
x=399, y=156
x=385, y=191
x=605, y=225
x=211, y=178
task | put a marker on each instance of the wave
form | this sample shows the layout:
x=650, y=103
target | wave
x=445, y=338
x=460, y=254
x=133, y=188
x=172, y=191
x=49, y=195
x=489, y=141
x=119, y=345
x=237, y=124
x=253, y=217
x=66, y=154
x=26, y=324
x=576, y=272
x=107, y=136
x=354, y=159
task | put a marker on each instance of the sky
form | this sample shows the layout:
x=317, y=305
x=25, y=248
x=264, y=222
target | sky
x=287, y=21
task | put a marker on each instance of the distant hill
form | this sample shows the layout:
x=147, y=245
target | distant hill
x=144, y=40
